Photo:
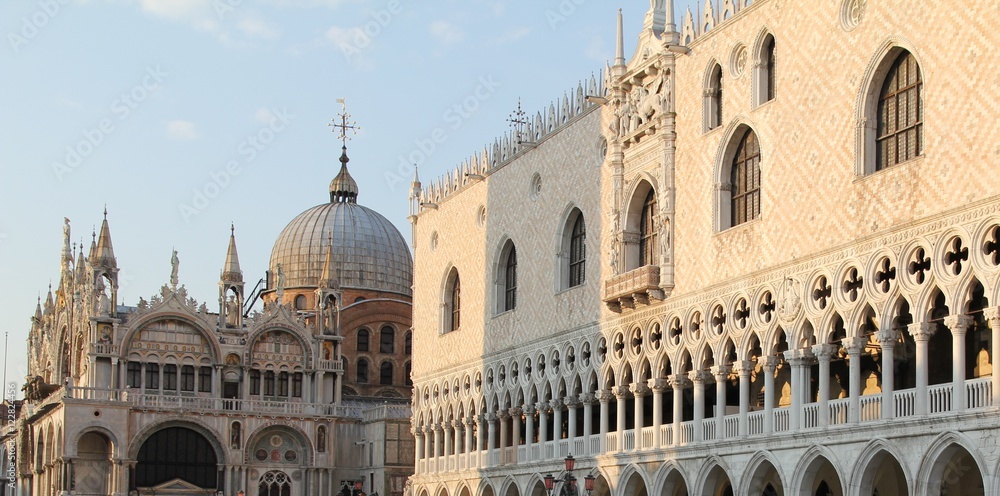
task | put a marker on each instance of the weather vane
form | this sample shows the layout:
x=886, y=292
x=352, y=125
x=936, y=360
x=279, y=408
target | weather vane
x=344, y=124
x=517, y=120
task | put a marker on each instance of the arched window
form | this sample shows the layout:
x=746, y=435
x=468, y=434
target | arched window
x=282, y=385
x=406, y=374
x=510, y=280
x=275, y=483
x=297, y=385
x=205, y=379
x=713, y=99
x=451, y=310
x=408, y=343
x=899, y=129
x=745, y=180
x=769, y=66
x=362, y=370
x=300, y=302
x=648, y=247
x=387, y=340
x=362, y=339
x=577, y=263
x=385, y=373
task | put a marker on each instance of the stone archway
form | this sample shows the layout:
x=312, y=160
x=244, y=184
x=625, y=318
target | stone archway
x=635, y=486
x=954, y=473
x=884, y=475
x=674, y=485
x=92, y=466
x=177, y=460
x=820, y=478
x=765, y=480
x=717, y=483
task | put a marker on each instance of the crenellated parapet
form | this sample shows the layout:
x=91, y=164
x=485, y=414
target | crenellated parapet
x=545, y=123
x=708, y=18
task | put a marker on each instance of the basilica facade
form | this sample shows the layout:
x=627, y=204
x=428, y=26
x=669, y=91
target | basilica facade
x=173, y=396
x=760, y=257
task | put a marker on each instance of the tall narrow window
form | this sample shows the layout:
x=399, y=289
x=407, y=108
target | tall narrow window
x=900, y=114
x=133, y=376
x=152, y=376
x=385, y=374
x=170, y=377
x=362, y=339
x=713, y=99
x=387, y=340
x=297, y=385
x=187, y=378
x=205, y=380
x=406, y=374
x=648, y=243
x=745, y=180
x=362, y=370
x=456, y=304
x=255, y=382
x=769, y=65
x=718, y=98
x=578, y=253
x=510, y=280
x=408, y=343
x=269, y=383
x=282, y=385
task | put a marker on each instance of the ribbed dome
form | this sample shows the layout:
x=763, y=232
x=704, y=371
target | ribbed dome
x=368, y=251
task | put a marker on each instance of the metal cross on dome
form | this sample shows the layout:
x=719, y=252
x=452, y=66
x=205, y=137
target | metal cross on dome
x=344, y=124
x=517, y=121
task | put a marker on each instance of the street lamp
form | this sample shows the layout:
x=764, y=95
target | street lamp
x=570, y=481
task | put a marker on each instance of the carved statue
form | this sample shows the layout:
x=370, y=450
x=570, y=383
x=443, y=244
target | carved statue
x=174, y=265
x=330, y=315
x=232, y=312
x=235, y=436
x=35, y=389
x=103, y=302
x=664, y=237
x=281, y=278
x=321, y=438
x=66, y=234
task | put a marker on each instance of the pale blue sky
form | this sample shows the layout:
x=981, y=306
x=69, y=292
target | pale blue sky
x=158, y=97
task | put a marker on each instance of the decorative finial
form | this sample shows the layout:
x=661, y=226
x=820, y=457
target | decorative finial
x=232, y=229
x=517, y=121
x=105, y=211
x=174, y=265
x=345, y=123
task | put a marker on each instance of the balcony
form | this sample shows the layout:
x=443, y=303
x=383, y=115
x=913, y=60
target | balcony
x=331, y=366
x=637, y=286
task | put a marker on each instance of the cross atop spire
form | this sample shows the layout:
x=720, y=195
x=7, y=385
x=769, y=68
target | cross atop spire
x=517, y=121
x=345, y=124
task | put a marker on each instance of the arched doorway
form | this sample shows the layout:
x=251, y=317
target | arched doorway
x=820, y=478
x=274, y=483
x=176, y=459
x=955, y=473
x=883, y=475
x=92, y=466
x=278, y=450
x=717, y=483
x=765, y=481
x=674, y=485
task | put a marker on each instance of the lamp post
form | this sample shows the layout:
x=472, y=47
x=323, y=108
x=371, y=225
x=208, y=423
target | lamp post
x=569, y=481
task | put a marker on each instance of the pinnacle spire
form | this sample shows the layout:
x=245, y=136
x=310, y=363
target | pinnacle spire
x=48, y=299
x=620, y=43
x=231, y=271
x=329, y=271
x=343, y=188
x=104, y=251
x=38, y=310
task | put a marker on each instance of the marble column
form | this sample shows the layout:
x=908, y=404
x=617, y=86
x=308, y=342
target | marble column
x=698, y=378
x=745, y=369
x=529, y=428
x=768, y=365
x=621, y=395
x=959, y=325
x=721, y=375
x=823, y=353
x=657, y=386
x=678, y=382
x=854, y=347
x=639, y=391
x=887, y=341
x=921, y=332
x=992, y=315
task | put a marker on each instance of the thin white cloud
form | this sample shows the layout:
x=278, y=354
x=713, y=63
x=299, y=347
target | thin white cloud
x=256, y=28
x=446, y=32
x=263, y=115
x=181, y=130
x=512, y=35
x=598, y=49
x=353, y=43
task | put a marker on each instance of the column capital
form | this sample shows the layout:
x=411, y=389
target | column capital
x=443, y=425
x=490, y=417
x=745, y=367
x=542, y=407
x=721, y=372
x=958, y=323
x=921, y=331
x=698, y=376
x=992, y=315
x=604, y=395
x=621, y=392
x=572, y=402
x=528, y=410
x=639, y=389
x=503, y=415
x=678, y=381
x=824, y=352
x=886, y=337
x=854, y=345
x=514, y=412
x=588, y=398
x=769, y=363
x=556, y=403
x=658, y=385
x=456, y=423
x=470, y=422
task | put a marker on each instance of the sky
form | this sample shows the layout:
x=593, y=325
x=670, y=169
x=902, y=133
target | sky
x=182, y=117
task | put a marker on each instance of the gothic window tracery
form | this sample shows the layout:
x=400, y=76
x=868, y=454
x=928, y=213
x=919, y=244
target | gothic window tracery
x=648, y=242
x=745, y=180
x=899, y=133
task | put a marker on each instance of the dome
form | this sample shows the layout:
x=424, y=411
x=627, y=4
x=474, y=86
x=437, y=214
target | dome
x=368, y=251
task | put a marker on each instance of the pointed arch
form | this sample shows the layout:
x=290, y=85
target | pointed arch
x=762, y=470
x=640, y=227
x=816, y=466
x=880, y=460
x=632, y=482
x=951, y=465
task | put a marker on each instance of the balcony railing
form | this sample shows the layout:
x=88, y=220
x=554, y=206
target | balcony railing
x=635, y=286
x=839, y=414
